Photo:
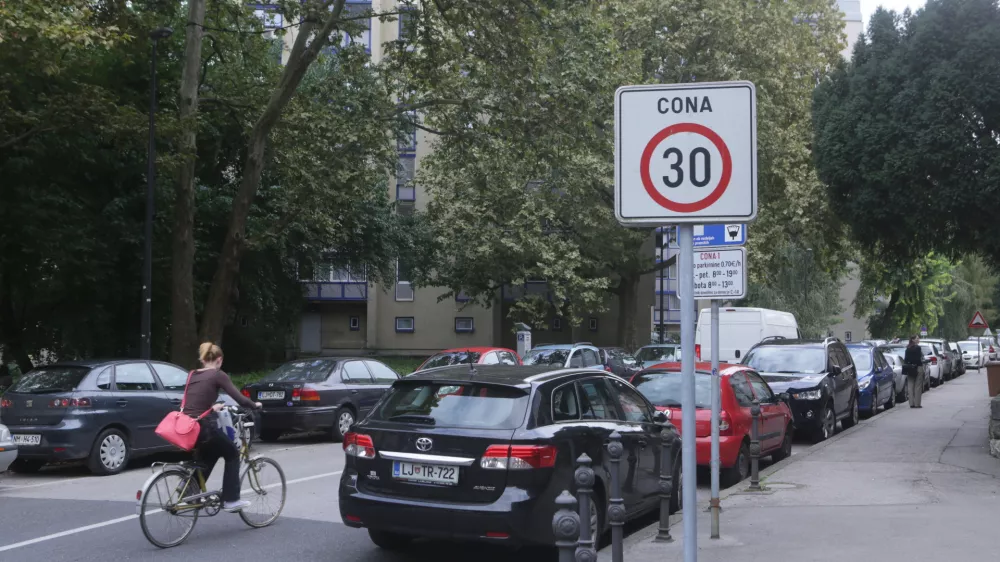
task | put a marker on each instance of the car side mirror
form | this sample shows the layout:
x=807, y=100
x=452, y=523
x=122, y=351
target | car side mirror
x=784, y=397
x=737, y=354
x=835, y=369
x=660, y=417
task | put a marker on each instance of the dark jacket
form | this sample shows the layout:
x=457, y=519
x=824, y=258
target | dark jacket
x=203, y=391
x=913, y=359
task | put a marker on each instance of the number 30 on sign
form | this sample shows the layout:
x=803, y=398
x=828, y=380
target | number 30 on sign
x=686, y=153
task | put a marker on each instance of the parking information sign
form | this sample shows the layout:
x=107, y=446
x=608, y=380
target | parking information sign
x=709, y=235
x=720, y=274
x=686, y=153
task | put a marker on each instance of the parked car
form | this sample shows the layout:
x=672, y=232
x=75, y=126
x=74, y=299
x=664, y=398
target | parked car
x=896, y=362
x=475, y=355
x=740, y=329
x=738, y=386
x=973, y=354
x=456, y=455
x=932, y=370
x=876, y=380
x=104, y=412
x=569, y=356
x=959, y=360
x=953, y=360
x=319, y=394
x=943, y=360
x=658, y=353
x=8, y=449
x=618, y=361
x=819, y=377
x=990, y=344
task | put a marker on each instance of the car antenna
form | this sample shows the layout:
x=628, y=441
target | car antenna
x=472, y=367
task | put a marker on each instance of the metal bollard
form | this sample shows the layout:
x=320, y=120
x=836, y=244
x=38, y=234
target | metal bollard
x=755, y=447
x=616, y=505
x=566, y=526
x=584, y=479
x=668, y=438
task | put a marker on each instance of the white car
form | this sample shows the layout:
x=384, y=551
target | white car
x=8, y=450
x=973, y=354
x=899, y=379
x=932, y=367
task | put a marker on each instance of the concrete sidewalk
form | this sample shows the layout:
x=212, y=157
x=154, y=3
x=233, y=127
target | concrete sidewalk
x=908, y=484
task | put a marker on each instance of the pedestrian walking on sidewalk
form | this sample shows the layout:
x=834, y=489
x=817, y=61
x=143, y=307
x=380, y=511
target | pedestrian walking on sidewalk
x=913, y=368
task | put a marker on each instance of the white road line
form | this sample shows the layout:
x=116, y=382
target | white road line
x=131, y=517
x=9, y=487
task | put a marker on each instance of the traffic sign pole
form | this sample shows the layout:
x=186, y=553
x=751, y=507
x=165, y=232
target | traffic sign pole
x=716, y=407
x=689, y=458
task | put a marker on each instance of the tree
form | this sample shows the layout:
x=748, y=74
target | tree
x=906, y=134
x=522, y=173
x=973, y=284
x=900, y=298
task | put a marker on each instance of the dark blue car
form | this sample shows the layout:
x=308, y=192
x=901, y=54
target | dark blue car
x=876, y=380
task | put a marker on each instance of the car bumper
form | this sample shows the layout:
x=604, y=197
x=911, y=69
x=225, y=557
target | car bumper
x=729, y=449
x=807, y=413
x=514, y=518
x=71, y=439
x=865, y=399
x=298, y=418
x=7, y=455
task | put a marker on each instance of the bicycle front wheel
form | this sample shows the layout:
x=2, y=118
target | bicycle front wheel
x=263, y=485
x=165, y=519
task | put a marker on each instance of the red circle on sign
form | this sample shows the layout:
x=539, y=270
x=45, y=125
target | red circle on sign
x=720, y=145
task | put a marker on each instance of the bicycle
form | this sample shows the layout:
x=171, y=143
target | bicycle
x=166, y=496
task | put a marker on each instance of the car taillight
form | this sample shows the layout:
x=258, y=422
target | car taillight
x=309, y=395
x=518, y=457
x=933, y=360
x=296, y=394
x=359, y=445
x=724, y=426
x=5, y=403
x=245, y=392
x=992, y=350
x=70, y=403
x=697, y=350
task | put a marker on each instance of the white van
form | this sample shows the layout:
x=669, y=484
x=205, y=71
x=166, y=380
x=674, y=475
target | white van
x=740, y=329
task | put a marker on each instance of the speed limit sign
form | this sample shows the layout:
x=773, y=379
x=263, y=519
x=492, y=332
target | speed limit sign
x=686, y=153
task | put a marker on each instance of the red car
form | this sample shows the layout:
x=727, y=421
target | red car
x=661, y=384
x=475, y=355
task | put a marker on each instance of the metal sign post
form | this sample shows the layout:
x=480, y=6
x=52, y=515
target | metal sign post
x=689, y=458
x=716, y=407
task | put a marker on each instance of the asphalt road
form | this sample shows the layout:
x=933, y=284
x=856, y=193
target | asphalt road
x=65, y=514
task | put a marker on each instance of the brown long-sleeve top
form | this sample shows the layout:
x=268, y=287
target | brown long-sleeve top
x=203, y=391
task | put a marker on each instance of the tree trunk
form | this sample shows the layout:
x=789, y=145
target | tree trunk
x=183, y=326
x=227, y=271
x=628, y=291
x=11, y=328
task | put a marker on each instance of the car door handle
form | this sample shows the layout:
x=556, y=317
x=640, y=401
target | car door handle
x=175, y=400
x=354, y=392
x=122, y=402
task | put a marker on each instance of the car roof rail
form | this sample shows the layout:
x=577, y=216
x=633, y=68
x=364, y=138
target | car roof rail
x=769, y=338
x=583, y=343
x=829, y=339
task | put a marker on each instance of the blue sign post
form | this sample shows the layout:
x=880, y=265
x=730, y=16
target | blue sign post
x=709, y=235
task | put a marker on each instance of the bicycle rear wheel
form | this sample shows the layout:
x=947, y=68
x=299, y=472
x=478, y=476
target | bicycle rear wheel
x=165, y=520
x=263, y=485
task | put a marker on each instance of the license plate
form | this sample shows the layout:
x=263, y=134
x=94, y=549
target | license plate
x=429, y=473
x=279, y=395
x=27, y=439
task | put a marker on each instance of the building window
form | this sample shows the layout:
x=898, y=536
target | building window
x=464, y=325
x=408, y=142
x=404, y=324
x=271, y=18
x=462, y=296
x=557, y=324
x=355, y=323
x=246, y=323
x=593, y=324
x=408, y=27
x=404, y=288
x=405, y=172
x=847, y=337
x=363, y=36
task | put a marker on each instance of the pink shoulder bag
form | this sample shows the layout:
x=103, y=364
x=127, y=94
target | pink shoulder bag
x=180, y=429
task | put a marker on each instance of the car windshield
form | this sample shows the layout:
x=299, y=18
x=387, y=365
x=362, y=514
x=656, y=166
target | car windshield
x=664, y=389
x=658, y=354
x=452, y=358
x=314, y=370
x=785, y=359
x=51, y=379
x=447, y=404
x=969, y=346
x=862, y=360
x=546, y=357
x=897, y=350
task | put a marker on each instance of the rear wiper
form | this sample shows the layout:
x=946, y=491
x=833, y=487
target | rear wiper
x=44, y=390
x=416, y=418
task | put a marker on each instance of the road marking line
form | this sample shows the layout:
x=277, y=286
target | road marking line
x=7, y=487
x=131, y=517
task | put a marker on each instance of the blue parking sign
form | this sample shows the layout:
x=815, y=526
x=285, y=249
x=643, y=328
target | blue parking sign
x=711, y=235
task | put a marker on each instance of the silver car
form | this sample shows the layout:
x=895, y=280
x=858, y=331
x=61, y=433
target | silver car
x=899, y=379
x=8, y=450
x=973, y=354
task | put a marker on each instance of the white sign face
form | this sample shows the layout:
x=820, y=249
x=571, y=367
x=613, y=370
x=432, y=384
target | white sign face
x=720, y=273
x=686, y=153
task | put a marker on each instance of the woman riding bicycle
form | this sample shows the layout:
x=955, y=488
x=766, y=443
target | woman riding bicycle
x=202, y=394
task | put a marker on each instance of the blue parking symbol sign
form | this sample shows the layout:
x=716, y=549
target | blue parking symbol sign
x=707, y=235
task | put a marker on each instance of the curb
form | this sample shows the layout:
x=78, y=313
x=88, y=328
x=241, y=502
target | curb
x=650, y=531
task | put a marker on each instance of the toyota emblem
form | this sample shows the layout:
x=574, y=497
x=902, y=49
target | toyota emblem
x=424, y=444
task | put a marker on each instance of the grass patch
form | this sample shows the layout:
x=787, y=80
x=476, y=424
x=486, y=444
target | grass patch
x=244, y=379
x=402, y=365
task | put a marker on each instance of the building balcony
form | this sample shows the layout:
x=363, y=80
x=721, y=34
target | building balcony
x=336, y=290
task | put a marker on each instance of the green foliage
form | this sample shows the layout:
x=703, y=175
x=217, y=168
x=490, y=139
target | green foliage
x=906, y=134
x=902, y=298
x=973, y=285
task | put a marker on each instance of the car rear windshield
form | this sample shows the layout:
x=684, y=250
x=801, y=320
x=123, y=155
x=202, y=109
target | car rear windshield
x=659, y=354
x=787, y=359
x=546, y=357
x=51, y=379
x=664, y=389
x=898, y=351
x=313, y=370
x=862, y=359
x=452, y=358
x=969, y=346
x=446, y=404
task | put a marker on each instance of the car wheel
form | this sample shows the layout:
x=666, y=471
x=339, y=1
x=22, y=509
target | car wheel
x=26, y=466
x=389, y=541
x=110, y=453
x=270, y=435
x=852, y=420
x=827, y=424
x=891, y=403
x=874, y=410
x=741, y=468
x=676, y=501
x=904, y=395
x=342, y=423
x=786, y=446
x=596, y=522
